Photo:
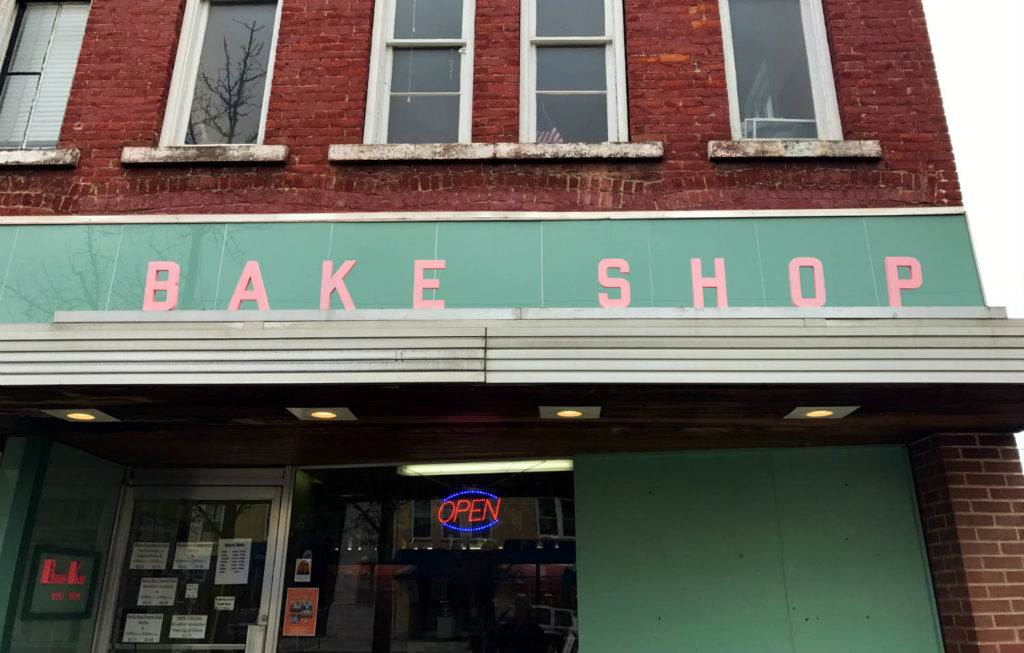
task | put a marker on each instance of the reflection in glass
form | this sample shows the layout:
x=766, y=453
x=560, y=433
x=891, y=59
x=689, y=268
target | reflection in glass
x=428, y=19
x=570, y=18
x=392, y=579
x=571, y=94
x=424, y=105
x=227, y=102
x=773, y=79
x=562, y=68
x=178, y=542
x=577, y=118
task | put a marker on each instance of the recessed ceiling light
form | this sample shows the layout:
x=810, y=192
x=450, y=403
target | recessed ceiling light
x=570, y=412
x=820, y=412
x=81, y=415
x=490, y=467
x=323, y=413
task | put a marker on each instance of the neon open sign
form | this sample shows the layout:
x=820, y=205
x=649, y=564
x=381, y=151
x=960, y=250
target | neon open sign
x=476, y=508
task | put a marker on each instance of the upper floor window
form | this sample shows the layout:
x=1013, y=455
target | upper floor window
x=421, y=72
x=779, y=70
x=38, y=70
x=222, y=73
x=573, y=72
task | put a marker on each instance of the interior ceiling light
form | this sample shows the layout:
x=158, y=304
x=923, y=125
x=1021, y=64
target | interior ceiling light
x=490, y=467
x=570, y=412
x=81, y=415
x=820, y=412
x=323, y=414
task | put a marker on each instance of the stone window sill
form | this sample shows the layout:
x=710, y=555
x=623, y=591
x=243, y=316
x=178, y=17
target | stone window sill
x=366, y=153
x=204, y=154
x=793, y=148
x=53, y=157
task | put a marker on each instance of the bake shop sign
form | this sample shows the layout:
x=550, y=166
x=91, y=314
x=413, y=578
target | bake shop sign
x=902, y=273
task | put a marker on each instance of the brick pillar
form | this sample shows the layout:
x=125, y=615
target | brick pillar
x=971, y=494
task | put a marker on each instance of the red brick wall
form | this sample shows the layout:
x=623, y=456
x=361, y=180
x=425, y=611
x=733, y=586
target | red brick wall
x=971, y=494
x=884, y=73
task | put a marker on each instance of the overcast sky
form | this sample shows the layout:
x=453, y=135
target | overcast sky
x=979, y=52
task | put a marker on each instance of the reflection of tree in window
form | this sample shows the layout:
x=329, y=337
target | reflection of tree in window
x=227, y=101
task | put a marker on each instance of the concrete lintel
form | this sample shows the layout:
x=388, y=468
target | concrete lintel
x=208, y=154
x=793, y=148
x=50, y=157
x=365, y=153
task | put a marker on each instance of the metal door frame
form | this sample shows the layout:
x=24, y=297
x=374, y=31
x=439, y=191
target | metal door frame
x=185, y=488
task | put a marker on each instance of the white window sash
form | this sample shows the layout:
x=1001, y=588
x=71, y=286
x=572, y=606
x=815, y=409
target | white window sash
x=614, y=66
x=186, y=69
x=819, y=63
x=378, y=92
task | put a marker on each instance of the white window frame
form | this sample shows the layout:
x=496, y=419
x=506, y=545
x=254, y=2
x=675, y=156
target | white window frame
x=186, y=68
x=378, y=92
x=614, y=66
x=9, y=10
x=559, y=516
x=819, y=62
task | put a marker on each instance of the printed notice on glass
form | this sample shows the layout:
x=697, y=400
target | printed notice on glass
x=157, y=591
x=233, y=561
x=223, y=603
x=149, y=555
x=193, y=555
x=142, y=628
x=192, y=590
x=188, y=626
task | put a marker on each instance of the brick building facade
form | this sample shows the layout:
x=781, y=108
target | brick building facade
x=815, y=457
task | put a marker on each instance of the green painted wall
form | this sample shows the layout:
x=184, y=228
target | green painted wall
x=768, y=551
x=489, y=264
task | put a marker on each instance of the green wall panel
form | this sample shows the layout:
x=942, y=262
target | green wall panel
x=489, y=264
x=793, y=551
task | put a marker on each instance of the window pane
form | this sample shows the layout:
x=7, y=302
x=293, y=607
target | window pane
x=227, y=104
x=33, y=38
x=15, y=107
x=570, y=18
x=575, y=118
x=571, y=68
x=504, y=589
x=772, y=76
x=428, y=19
x=177, y=543
x=55, y=84
x=423, y=119
x=426, y=71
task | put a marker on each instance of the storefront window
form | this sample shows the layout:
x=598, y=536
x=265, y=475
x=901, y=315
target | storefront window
x=194, y=575
x=380, y=562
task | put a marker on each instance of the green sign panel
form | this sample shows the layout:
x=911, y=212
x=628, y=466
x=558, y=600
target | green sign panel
x=841, y=261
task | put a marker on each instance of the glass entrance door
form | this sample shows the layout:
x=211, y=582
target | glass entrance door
x=196, y=570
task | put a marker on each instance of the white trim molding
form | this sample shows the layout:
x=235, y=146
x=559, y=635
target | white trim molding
x=477, y=216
